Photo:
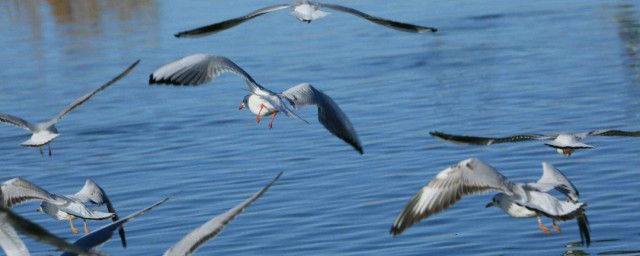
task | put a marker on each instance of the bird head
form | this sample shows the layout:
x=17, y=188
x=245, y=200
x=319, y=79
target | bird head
x=245, y=102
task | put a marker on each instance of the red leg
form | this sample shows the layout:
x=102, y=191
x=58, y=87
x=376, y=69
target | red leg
x=272, y=117
x=259, y=112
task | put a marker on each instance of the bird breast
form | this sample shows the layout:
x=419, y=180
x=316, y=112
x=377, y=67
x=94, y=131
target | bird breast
x=254, y=105
x=515, y=210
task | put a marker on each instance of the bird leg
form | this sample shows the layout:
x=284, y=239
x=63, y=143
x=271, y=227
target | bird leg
x=73, y=229
x=542, y=227
x=86, y=230
x=259, y=112
x=41, y=154
x=49, y=149
x=555, y=227
x=272, y=117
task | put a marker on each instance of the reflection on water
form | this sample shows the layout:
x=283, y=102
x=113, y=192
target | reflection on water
x=629, y=33
x=88, y=15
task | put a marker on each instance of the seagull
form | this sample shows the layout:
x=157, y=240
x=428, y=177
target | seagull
x=45, y=132
x=90, y=193
x=201, y=68
x=518, y=200
x=196, y=238
x=305, y=11
x=103, y=234
x=13, y=245
x=564, y=143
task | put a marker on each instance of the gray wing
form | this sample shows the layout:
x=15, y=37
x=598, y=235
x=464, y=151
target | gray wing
x=552, y=178
x=329, y=113
x=196, y=238
x=15, y=121
x=198, y=69
x=381, y=21
x=613, y=133
x=470, y=176
x=472, y=140
x=93, y=193
x=551, y=206
x=11, y=242
x=17, y=191
x=88, y=96
x=220, y=26
x=104, y=233
x=10, y=221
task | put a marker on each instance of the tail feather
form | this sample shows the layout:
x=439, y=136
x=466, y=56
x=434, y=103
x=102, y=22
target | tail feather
x=584, y=225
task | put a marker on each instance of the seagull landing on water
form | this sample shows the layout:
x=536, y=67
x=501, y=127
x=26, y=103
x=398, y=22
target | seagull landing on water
x=305, y=11
x=518, y=200
x=201, y=68
x=90, y=193
x=45, y=132
x=564, y=143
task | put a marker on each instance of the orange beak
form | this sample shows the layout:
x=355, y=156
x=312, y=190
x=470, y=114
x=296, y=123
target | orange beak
x=241, y=107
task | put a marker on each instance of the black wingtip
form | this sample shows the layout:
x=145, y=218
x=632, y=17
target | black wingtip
x=395, y=231
x=434, y=30
x=360, y=150
x=585, y=230
x=177, y=35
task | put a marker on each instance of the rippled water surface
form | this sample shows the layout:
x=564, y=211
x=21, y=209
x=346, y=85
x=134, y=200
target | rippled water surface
x=495, y=68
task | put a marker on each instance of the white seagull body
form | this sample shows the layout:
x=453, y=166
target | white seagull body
x=201, y=68
x=90, y=193
x=305, y=11
x=564, y=143
x=518, y=200
x=100, y=236
x=196, y=238
x=45, y=132
x=13, y=245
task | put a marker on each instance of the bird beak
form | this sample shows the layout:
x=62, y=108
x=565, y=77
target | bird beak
x=241, y=107
x=489, y=205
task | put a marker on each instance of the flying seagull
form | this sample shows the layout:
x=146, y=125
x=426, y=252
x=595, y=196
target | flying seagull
x=100, y=236
x=518, y=200
x=13, y=245
x=201, y=68
x=17, y=191
x=196, y=238
x=45, y=132
x=564, y=143
x=305, y=11
x=90, y=193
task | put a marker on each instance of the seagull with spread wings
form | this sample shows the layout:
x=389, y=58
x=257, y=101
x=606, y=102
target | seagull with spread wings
x=199, y=69
x=91, y=193
x=518, y=200
x=564, y=143
x=305, y=11
x=45, y=132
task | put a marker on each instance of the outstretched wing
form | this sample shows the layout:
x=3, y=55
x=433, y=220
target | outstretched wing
x=196, y=238
x=15, y=121
x=381, y=21
x=12, y=244
x=470, y=176
x=88, y=96
x=220, y=26
x=552, y=178
x=329, y=113
x=471, y=140
x=613, y=133
x=17, y=191
x=103, y=234
x=198, y=69
x=94, y=194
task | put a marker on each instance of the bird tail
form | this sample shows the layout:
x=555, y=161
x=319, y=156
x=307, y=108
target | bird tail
x=583, y=224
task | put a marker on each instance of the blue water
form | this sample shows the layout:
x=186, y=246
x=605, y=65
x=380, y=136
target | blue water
x=495, y=68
